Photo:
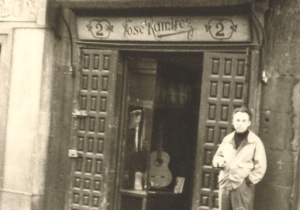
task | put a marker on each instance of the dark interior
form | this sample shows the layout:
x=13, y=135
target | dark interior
x=176, y=86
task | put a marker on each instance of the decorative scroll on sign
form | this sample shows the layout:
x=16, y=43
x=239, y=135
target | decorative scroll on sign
x=180, y=28
x=18, y=10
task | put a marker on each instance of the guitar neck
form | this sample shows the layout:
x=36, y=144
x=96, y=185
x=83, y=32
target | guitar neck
x=160, y=137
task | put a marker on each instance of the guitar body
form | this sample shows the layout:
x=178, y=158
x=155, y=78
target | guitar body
x=159, y=173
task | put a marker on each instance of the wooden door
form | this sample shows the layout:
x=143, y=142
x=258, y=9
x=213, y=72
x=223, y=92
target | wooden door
x=224, y=87
x=95, y=132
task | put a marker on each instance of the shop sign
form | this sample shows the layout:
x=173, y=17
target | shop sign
x=18, y=10
x=167, y=28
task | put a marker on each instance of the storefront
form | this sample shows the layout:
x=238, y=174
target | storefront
x=121, y=104
x=153, y=98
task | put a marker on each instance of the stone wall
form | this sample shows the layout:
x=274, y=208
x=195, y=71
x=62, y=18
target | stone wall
x=280, y=110
x=58, y=162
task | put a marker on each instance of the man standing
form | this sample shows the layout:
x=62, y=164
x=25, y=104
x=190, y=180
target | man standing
x=242, y=160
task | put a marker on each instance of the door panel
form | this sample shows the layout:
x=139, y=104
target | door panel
x=95, y=131
x=225, y=86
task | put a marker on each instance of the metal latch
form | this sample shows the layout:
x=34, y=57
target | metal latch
x=73, y=153
x=77, y=113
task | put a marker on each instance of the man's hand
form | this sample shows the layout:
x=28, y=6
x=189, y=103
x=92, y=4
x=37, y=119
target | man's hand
x=219, y=163
x=248, y=181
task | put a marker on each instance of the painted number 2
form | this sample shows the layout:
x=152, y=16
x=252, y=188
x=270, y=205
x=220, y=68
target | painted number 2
x=220, y=28
x=99, y=29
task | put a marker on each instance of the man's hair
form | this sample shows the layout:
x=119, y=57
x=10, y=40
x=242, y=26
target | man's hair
x=244, y=110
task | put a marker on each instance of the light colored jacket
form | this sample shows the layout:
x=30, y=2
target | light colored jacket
x=249, y=160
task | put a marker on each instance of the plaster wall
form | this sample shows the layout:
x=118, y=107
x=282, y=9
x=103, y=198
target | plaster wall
x=26, y=75
x=25, y=91
x=28, y=120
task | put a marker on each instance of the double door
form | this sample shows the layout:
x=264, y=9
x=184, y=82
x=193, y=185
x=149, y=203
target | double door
x=192, y=93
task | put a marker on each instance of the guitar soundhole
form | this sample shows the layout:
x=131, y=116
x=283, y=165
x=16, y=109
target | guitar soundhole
x=158, y=161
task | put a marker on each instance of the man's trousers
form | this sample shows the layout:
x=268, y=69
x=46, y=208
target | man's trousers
x=240, y=198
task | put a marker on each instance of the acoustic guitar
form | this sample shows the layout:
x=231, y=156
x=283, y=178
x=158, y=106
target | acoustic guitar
x=159, y=173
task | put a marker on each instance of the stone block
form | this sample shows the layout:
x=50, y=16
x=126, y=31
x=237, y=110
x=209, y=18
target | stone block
x=275, y=130
x=269, y=196
x=279, y=62
x=296, y=27
x=294, y=55
x=280, y=21
x=277, y=94
x=15, y=201
x=280, y=168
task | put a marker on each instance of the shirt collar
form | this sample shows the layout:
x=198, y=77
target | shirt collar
x=230, y=138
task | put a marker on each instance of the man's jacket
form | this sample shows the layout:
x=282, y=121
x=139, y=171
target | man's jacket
x=248, y=161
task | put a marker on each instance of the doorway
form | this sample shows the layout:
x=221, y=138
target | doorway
x=131, y=105
x=163, y=97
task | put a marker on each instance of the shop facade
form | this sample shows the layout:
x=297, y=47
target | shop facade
x=134, y=99
x=151, y=85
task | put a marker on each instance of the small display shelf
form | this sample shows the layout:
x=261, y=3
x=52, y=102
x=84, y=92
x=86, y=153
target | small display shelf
x=148, y=200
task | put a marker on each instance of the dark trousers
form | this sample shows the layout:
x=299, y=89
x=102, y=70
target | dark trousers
x=240, y=198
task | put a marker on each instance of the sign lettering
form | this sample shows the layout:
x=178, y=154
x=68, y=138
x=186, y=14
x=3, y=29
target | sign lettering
x=158, y=29
x=189, y=29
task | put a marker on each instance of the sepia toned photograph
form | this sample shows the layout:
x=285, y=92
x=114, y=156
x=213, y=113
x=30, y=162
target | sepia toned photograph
x=149, y=104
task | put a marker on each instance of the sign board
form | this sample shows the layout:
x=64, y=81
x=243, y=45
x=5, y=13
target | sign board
x=18, y=10
x=165, y=28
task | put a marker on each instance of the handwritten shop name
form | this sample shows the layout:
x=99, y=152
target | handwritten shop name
x=149, y=27
x=158, y=29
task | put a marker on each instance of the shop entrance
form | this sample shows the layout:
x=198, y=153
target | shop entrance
x=163, y=91
x=147, y=127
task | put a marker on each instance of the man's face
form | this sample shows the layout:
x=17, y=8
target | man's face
x=241, y=122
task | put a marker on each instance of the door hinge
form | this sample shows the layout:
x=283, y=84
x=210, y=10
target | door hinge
x=73, y=153
x=264, y=77
x=77, y=113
